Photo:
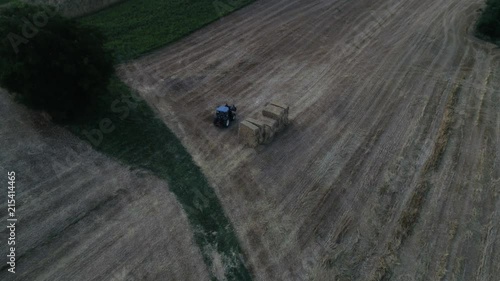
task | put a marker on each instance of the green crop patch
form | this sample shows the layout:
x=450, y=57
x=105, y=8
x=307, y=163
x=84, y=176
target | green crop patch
x=135, y=27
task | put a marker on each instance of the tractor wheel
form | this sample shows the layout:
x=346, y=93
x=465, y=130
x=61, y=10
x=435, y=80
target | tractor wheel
x=233, y=117
x=226, y=123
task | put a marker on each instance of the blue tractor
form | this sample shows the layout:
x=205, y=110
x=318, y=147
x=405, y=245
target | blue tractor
x=224, y=115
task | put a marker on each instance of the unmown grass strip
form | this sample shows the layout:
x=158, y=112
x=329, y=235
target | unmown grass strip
x=124, y=127
x=411, y=213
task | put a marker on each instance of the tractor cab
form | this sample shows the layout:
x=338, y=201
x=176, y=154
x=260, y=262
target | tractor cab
x=224, y=114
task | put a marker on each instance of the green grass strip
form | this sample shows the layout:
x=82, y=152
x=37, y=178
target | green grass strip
x=136, y=27
x=124, y=127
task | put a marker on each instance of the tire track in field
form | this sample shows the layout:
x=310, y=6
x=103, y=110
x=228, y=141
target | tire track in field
x=451, y=190
x=357, y=93
x=384, y=85
x=418, y=198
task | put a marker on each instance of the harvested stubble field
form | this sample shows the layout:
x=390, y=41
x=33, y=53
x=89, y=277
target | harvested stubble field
x=82, y=216
x=390, y=168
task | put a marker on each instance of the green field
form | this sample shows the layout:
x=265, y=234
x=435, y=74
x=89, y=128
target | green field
x=135, y=27
x=488, y=25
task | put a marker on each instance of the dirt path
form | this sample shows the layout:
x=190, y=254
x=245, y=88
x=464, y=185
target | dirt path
x=391, y=167
x=82, y=216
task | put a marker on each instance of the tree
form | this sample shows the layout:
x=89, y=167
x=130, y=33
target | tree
x=488, y=24
x=51, y=62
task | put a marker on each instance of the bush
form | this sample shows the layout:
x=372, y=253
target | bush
x=138, y=138
x=488, y=25
x=52, y=63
